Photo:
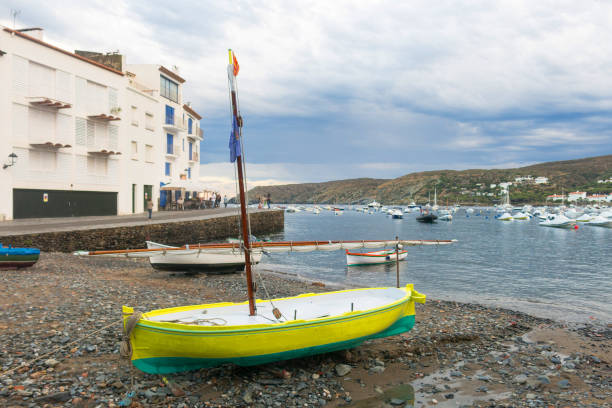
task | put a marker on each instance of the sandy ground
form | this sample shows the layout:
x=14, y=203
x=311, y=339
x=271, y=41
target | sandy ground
x=457, y=355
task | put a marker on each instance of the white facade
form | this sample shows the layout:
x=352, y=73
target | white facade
x=79, y=127
x=180, y=125
x=541, y=180
x=576, y=195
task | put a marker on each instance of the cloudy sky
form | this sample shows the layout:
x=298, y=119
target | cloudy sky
x=342, y=89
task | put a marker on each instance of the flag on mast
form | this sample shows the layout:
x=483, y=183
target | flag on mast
x=236, y=66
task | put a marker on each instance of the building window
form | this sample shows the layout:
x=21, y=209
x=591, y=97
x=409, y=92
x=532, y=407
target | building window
x=169, y=143
x=134, y=150
x=149, y=121
x=168, y=89
x=168, y=169
x=149, y=153
x=134, y=116
x=169, y=115
x=96, y=166
x=190, y=151
x=189, y=173
x=190, y=126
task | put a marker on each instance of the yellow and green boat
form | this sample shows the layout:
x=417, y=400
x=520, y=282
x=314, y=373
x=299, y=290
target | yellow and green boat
x=193, y=337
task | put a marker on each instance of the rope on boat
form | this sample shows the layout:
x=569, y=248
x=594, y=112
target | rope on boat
x=55, y=350
x=126, y=347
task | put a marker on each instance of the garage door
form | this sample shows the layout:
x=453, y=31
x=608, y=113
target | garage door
x=62, y=203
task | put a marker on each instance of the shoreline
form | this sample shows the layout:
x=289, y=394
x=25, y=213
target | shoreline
x=458, y=352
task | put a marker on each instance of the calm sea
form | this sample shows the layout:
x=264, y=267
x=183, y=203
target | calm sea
x=554, y=273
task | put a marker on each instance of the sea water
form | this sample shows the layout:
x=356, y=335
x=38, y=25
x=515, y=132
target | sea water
x=547, y=272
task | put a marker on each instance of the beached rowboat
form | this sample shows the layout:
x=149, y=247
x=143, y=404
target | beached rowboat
x=193, y=337
x=14, y=258
x=376, y=257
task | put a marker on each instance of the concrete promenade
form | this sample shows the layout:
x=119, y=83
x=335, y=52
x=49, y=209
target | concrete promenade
x=44, y=225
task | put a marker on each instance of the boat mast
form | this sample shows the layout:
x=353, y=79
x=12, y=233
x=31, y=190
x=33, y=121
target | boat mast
x=243, y=210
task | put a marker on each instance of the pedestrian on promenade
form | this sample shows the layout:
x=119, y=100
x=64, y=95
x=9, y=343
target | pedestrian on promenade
x=218, y=200
x=225, y=201
x=150, y=207
x=268, y=200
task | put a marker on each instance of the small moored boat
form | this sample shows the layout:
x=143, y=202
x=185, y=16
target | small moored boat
x=375, y=257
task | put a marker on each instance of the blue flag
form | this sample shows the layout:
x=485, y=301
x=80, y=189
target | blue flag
x=234, y=144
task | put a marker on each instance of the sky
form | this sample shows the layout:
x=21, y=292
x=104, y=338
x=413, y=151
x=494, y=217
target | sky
x=341, y=89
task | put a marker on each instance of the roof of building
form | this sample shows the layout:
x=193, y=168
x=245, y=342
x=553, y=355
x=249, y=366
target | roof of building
x=192, y=112
x=171, y=74
x=45, y=44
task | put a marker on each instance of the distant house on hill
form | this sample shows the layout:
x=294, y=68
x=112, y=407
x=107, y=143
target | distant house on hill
x=600, y=198
x=541, y=180
x=555, y=197
x=577, y=195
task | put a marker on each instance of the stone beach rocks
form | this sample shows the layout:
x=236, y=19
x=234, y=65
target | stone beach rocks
x=60, y=332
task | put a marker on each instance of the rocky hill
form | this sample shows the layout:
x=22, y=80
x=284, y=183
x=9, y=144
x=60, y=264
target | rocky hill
x=466, y=186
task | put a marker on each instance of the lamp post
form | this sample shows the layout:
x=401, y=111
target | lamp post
x=13, y=158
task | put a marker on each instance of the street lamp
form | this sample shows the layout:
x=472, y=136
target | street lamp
x=13, y=158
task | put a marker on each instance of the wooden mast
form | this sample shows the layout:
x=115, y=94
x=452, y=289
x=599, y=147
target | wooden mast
x=243, y=209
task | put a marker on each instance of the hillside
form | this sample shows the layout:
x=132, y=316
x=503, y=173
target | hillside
x=465, y=186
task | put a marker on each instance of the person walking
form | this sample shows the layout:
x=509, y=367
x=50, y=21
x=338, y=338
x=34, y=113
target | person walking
x=225, y=201
x=268, y=200
x=150, y=207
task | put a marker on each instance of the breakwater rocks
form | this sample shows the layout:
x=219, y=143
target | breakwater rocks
x=134, y=236
x=60, y=332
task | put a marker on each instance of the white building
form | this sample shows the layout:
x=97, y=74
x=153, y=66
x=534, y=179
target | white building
x=88, y=139
x=556, y=197
x=505, y=185
x=541, y=180
x=576, y=195
x=600, y=198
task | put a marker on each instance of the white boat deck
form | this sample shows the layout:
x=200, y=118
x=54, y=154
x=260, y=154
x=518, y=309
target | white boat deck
x=306, y=308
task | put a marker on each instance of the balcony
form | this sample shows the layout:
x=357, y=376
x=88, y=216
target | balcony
x=103, y=117
x=196, y=134
x=194, y=157
x=173, y=151
x=175, y=123
x=49, y=103
x=102, y=145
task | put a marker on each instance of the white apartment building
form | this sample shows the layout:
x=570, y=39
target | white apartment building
x=541, y=180
x=88, y=138
x=181, y=132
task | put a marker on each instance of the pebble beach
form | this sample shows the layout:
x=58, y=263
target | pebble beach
x=60, y=332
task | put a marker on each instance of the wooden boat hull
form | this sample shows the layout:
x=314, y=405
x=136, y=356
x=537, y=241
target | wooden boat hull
x=16, y=258
x=372, y=258
x=202, y=262
x=166, y=347
x=199, y=261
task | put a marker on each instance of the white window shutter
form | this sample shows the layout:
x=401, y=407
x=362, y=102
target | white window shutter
x=20, y=75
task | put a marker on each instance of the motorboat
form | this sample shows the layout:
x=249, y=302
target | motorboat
x=600, y=221
x=558, y=221
x=586, y=217
x=520, y=216
x=506, y=217
x=445, y=217
x=397, y=214
x=427, y=217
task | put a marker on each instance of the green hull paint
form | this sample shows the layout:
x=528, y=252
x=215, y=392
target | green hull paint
x=166, y=365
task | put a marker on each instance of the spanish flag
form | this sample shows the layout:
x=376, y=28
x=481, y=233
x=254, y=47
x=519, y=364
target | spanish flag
x=236, y=66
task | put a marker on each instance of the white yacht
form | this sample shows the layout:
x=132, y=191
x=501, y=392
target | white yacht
x=558, y=221
x=505, y=217
x=600, y=221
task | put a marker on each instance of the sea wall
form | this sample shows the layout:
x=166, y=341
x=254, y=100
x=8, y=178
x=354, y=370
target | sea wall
x=169, y=233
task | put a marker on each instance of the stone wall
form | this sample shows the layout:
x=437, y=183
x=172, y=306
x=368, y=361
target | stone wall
x=169, y=233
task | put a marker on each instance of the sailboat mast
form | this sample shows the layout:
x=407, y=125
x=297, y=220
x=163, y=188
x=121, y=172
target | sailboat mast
x=243, y=209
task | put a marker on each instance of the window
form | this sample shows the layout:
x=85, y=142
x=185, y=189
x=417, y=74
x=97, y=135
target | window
x=169, y=143
x=134, y=116
x=169, y=115
x=96, y=166
x=190, y=126
x=189, y=172
x=168, y=169
x=190, y=151
x=168, y=89
x=149, y=153
x=149, y=121
x=134, y=150
x=183, y=144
